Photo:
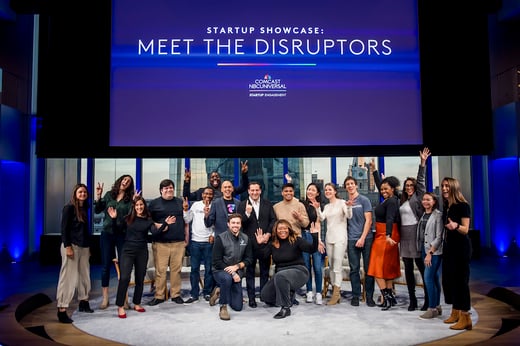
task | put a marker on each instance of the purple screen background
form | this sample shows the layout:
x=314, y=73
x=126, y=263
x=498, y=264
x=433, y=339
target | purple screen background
x=334, y=99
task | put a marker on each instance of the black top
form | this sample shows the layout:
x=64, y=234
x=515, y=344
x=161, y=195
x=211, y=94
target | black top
x=455, y=242
x=160, y=209
x=72, y=230
x=388, y=212
x=137, y=232
x=265, y=220
x=289, y=254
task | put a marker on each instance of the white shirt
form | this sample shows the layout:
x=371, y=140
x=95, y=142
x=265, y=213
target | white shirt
x=199, y=231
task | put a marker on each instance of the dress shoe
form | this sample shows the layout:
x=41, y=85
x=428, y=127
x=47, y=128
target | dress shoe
x=370, y=302
x=139, y=309
x=283, y=313
x=63, y=317
x=191, y=300
x=84, y=306
x=178, y=300
x=354, y=301
x=252, y=304
x=155, y=301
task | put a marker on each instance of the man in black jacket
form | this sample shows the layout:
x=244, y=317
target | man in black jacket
x=257, y=213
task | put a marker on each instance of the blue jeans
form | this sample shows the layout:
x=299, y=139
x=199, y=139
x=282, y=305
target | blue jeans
x=230, y=291
x=108, y=242
x=200, y=252
x=316, y=266
x=354, y=260
x=432, y=280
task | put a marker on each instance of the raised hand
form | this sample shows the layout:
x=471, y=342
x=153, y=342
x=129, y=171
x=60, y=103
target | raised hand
x=137, y=194
x=112, y=212
x=314, y=202
x=260, y=238
x=296, y=214
x=372, y=164
x=288, y=178
x=206, y=207
x=424, y=154
x=244, y=168
x=99, y=189
x=249, y=207
x=170, y=219
x=187, y=175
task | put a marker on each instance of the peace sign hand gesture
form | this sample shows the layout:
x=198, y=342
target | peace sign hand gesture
x=244, y=168
x=99, y=189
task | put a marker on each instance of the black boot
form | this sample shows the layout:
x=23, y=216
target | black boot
x=426, y=303
x=388, y=299
x=84, y=306
x=393, y=300
x=385, y=300
x=413, y=303
x=63, y=317
x=283, y=313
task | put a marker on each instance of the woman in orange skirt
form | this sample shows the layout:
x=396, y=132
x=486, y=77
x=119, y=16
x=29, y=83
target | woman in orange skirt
x=384, y=263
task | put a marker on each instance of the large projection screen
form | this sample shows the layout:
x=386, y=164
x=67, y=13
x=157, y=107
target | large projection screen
x=271, y=73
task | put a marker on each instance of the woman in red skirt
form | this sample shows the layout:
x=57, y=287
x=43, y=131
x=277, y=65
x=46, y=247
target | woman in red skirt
x=384, y=258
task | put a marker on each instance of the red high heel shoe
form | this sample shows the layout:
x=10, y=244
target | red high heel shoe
x=139, y=309
x=123, y=315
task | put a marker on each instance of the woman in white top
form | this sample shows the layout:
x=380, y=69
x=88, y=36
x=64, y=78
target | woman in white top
x=336, y=212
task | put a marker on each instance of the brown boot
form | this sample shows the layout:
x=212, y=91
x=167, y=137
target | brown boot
x=334, y=299
x=454, y=317
x=464, y=322
x=104, y=303
x=224, y=314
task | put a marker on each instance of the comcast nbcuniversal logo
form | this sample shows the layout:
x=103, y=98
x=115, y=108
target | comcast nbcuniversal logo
x=267, y=87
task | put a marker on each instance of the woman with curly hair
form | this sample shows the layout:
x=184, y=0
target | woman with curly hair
x=119, y=197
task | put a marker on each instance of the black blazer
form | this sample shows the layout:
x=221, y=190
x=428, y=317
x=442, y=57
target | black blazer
x=265, y=220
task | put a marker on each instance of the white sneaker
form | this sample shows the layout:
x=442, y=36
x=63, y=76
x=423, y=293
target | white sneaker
x=309, y=297
x=319, y=299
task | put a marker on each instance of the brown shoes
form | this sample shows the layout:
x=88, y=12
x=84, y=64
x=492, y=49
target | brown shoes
x=215, y=294
x=224, y=314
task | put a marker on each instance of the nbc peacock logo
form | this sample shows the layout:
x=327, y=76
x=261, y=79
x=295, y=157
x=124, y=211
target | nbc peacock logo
x=267, y=86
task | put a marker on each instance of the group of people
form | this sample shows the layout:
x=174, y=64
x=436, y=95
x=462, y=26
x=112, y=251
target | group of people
x=230, y=236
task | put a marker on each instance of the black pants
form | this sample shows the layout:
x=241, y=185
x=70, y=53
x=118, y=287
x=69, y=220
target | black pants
x=410, y=276
x=278, y=290
x=264, y=264
x=130, y=258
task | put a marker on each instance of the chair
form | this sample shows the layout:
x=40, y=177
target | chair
x=185, y=270
x=346, y=276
